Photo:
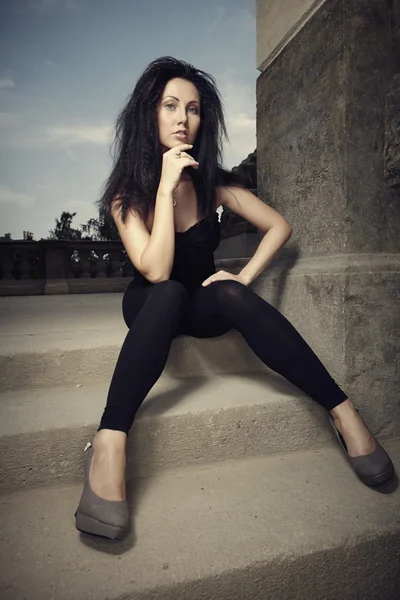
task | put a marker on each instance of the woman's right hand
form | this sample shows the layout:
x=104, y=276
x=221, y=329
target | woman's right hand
x=172, y=166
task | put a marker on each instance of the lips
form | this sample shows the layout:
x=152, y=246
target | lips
x=181, y=132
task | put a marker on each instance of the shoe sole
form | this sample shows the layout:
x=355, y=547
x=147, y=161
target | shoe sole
x=86, y=524
x=373, y=480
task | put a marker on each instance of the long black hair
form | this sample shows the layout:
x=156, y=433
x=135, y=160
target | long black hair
x=136, y=171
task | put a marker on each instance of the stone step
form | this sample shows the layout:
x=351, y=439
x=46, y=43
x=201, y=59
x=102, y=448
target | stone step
x=52, y=340
x=184, y=421
x=298, y=525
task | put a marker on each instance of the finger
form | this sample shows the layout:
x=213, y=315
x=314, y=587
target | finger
x=185, y=155
x=190, y=163
x=211, y=280
x=180, y=147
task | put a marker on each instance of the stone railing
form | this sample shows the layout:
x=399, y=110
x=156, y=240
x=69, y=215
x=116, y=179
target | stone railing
x=63, y=267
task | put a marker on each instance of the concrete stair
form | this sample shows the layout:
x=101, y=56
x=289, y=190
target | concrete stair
x=294, y=525
x=182, y=422
x=237, y=486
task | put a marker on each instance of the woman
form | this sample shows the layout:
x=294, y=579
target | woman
x=162, y=193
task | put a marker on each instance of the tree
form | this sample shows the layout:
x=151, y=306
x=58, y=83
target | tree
x=63, y=229
x=101, y=229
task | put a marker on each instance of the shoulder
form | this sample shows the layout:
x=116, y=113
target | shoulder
x=228, y=195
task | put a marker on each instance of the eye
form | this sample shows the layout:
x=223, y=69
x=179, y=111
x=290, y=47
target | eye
x=196, y=111
x=170, y=105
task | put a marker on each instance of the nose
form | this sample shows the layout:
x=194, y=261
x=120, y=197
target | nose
x=182, y=117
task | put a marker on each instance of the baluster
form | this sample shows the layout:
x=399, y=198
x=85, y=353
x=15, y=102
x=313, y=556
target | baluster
x=86, y=263
x=33, y=262
x=115, y=263
x=74, y=267
x=100, y=265
x=107, y=261
x=124, y=267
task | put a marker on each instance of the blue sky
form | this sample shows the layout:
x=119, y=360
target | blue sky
x=67, y=68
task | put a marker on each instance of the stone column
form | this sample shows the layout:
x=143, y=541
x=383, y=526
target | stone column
x=328, y=154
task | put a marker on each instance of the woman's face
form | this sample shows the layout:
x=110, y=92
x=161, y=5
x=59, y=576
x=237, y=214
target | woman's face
x=178, y=111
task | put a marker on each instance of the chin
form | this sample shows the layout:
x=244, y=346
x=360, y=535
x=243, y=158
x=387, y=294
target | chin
x=170, y=145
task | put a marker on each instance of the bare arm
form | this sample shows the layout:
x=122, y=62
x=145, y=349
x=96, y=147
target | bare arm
x=158, y=256
x=151, y=254
x=276, y=228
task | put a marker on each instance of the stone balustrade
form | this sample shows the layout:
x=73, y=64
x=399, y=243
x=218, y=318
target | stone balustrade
x=54, y=267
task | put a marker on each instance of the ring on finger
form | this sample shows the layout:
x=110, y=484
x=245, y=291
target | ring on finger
x=178, y=154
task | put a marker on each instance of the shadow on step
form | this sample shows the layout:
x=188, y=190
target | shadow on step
x=158, y=402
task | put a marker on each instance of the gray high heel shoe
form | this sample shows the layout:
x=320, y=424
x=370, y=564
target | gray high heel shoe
x=373, y=468
x=95, y=515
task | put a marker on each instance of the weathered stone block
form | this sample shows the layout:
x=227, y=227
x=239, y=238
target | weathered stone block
x=327, y=134
x=320, y=131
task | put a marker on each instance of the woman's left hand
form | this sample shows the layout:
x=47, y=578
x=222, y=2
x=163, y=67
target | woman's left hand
x=221, y=276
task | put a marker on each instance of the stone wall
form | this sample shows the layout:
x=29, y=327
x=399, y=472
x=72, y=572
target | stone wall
x=328, y=160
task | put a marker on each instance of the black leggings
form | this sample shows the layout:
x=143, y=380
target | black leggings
x=157, y=313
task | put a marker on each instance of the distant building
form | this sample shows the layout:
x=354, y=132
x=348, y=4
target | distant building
x=28, y=237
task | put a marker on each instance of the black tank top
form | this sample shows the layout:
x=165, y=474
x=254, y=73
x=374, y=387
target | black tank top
x=194, y=255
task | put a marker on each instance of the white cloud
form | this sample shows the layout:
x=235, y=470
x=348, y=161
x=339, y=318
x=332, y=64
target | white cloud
x=8, y=195
x=79, y=134
x=25, y=132
x=6, y=83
